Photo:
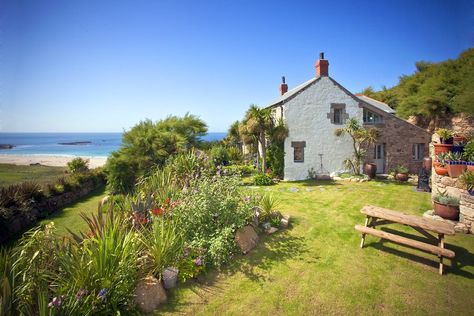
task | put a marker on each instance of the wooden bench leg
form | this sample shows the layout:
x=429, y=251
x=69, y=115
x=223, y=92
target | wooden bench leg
x=441, y=244
x=363, y=235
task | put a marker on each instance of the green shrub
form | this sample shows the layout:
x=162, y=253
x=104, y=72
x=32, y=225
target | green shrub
x=148, y=145
x=235, y=155
x=467, y=179
x=219, y=156
x=209, y=213
x=275, y=159
x=262, y=179
x=444, y=198
x=240, y=170
x=78, y=165
x=469, y=151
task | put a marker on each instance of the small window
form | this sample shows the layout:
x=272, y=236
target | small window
x=337, y=113
x=298, y=151
x=372, y=118
x=337, y=116
x=418, y=151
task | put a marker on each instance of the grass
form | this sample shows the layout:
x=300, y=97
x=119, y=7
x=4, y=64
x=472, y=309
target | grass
x=317, y=267
x=13, y=174
x=69, y=217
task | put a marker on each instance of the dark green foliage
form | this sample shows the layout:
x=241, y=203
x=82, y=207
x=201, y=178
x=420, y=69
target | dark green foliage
x=469, y=151
x=262, y=179
x=275, y=158
x=148, y=145
x=78, y=165
x=434, y=89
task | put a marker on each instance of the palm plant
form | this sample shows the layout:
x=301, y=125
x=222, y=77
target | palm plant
x=361, y=139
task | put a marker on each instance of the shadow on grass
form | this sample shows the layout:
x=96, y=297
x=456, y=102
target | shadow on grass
x=270, y=251
x=463, y=257
x=313, y=183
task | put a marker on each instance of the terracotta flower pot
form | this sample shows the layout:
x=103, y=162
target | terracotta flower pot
x=402, y=177
x=436, y=163
x=446, y=211
x=442, y=148
x=470, y=166
x=441, y=171
x=456, y=168
x=458, y=139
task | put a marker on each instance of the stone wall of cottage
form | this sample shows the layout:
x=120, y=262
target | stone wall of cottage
x=453, y=187
x=399, y=136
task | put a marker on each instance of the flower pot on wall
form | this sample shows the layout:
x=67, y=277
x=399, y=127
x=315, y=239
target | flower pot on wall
x=441, y=171
x=470, y=166
x=457, y=149
x=442, y=148
x=455, y=168
x=446, y=211
x=370, y=169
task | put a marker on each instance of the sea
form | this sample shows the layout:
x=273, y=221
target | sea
x=70, y=144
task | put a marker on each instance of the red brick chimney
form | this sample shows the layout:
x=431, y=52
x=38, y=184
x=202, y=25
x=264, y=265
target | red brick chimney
x=283, y=86
x=322, y=66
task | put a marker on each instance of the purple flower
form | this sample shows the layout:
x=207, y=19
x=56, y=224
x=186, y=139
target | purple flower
x=103, y=294
x=56, y=302
x=198, y=261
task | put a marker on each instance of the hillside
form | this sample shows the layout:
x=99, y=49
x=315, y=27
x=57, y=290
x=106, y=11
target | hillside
x=436, y=94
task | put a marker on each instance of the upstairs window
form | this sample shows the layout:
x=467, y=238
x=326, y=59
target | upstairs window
x=298, y=151
x=372, y=118
x=337, y=113
x=418, y=151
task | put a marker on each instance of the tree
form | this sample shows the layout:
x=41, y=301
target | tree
x=257, y=123
x=361, y=139
x=148, y=145
x=233, y=135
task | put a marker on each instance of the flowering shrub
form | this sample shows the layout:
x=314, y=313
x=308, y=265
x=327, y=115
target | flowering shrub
x=209, y=212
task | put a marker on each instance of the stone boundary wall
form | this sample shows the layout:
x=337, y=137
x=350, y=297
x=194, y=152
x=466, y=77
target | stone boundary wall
x=453, y=187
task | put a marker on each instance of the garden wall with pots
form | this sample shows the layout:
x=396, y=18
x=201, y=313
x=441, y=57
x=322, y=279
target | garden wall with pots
x=451, y=185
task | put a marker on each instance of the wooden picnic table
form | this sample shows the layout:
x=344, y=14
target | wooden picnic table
x=376, y=216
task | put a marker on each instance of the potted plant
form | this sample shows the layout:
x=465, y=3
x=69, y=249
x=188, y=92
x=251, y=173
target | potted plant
x=446, y=139
x=440, y=165
x=401, y=174
x=455, y=163
x=467, y=179
x=446, y=206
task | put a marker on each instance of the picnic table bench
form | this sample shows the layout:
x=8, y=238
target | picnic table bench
x=376, y=216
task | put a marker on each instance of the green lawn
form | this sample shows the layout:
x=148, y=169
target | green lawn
x=12, y=174
x=69, y=217
x=317, y=267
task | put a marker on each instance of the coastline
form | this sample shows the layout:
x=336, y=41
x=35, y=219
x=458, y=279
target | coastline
x=46, y=160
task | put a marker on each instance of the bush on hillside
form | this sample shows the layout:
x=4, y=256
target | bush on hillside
x=78, y=165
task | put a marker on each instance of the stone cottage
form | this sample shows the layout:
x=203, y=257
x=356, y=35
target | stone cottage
x=314, y=110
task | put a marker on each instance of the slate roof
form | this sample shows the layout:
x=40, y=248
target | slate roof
x=380, y=105
x=360, y=97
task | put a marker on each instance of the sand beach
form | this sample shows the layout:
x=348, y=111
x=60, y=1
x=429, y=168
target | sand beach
x=46, y=160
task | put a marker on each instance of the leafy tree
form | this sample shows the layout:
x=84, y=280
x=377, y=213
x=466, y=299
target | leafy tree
x=78, y=165
x=361, y=139
x=148, y=145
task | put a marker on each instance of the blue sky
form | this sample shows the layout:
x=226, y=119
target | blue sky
x=84, y=65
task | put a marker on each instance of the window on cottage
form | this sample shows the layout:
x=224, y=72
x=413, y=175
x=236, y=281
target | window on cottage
x=337, y=113
x=298, y=151
x=372, y=118
x=337, y=116
x=418, y=151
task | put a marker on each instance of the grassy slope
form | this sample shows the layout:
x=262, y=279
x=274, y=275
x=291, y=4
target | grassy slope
x=11, y=174
x=317, y=267
x=69, y=217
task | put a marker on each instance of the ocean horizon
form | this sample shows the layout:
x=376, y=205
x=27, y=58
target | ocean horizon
x=70, y=144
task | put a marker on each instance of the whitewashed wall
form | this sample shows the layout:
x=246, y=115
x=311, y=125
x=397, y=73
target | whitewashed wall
x=306, y=119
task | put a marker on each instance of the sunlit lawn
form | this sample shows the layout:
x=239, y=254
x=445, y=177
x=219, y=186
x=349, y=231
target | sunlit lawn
x=317, y=267
x=69, y=217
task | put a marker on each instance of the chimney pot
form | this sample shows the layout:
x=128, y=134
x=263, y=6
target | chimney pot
x=283, y=86
x=321, y=55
